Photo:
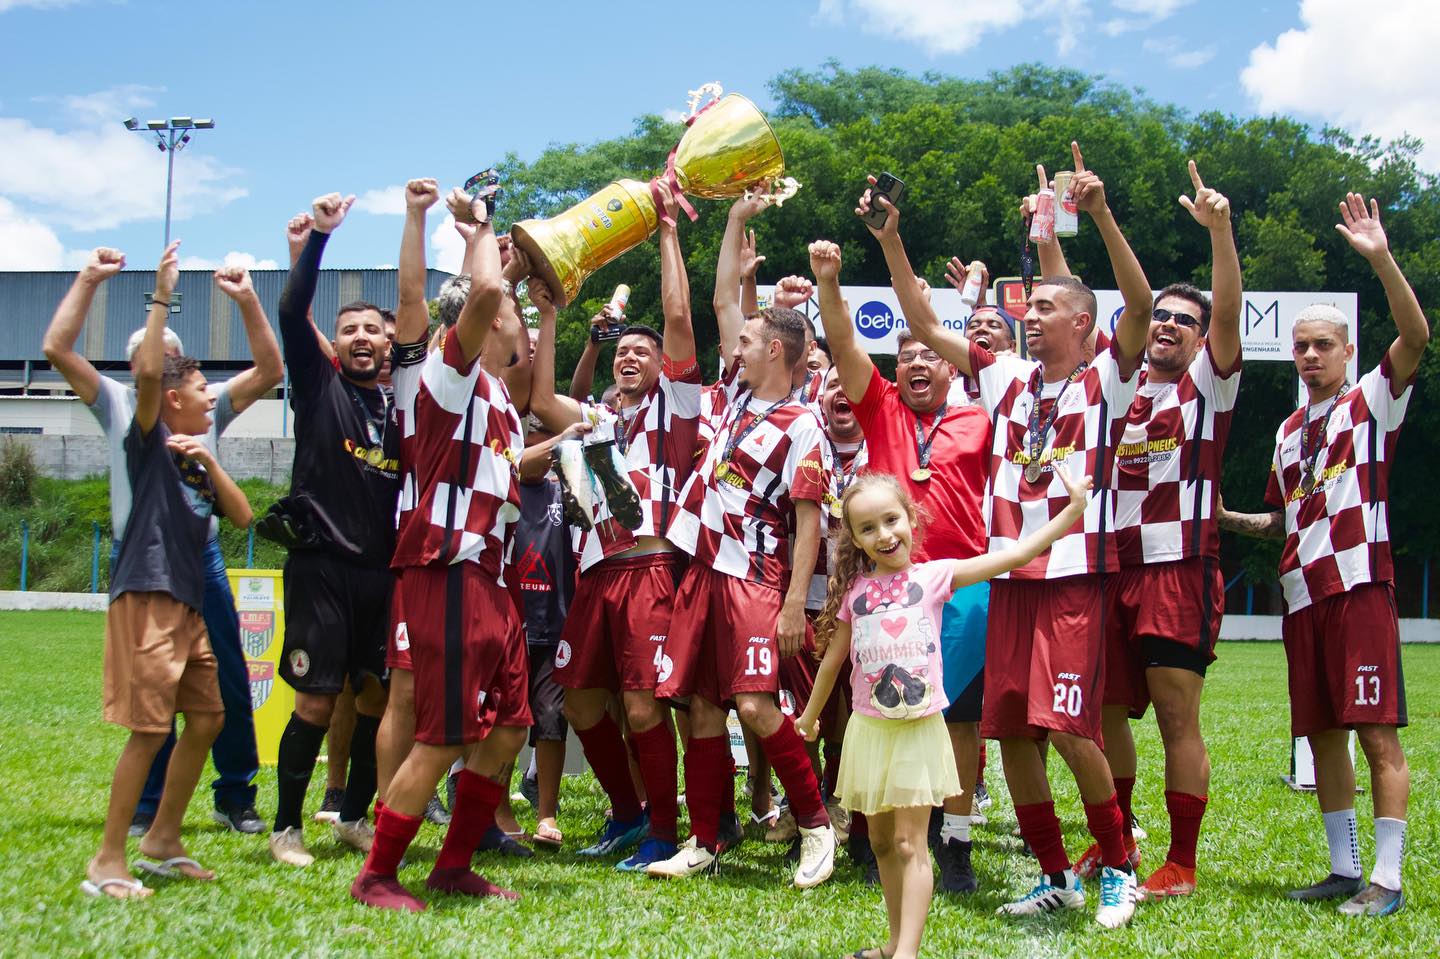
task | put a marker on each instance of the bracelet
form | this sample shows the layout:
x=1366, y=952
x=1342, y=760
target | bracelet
x=164, y=303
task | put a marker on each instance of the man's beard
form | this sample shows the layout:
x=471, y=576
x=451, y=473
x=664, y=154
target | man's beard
x=364, y=376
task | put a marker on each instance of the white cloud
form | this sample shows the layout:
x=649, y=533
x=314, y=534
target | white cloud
x=447, y=247
x=1372, y=74
x=37, y=4
x=233, y=258
x=947, y=27
x=26, y=243
x=386, y=201
x=1174, y=51
x=1144, y=14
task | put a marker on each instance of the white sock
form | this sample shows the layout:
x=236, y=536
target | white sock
x=1343, y=837
x=1389, y=852
x=955, y=826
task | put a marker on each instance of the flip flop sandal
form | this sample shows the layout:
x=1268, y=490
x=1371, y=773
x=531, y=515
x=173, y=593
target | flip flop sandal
x=97, y=889
x=768, y=820
x=169, y=869
x=547, y=839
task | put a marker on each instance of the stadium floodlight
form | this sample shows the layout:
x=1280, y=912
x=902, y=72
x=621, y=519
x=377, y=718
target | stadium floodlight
x=171, y=136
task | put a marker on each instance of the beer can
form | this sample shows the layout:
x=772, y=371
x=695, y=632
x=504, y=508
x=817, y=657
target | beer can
x=620, y=299
x=1042, y=224
x=970, y=295
x=1067, y=214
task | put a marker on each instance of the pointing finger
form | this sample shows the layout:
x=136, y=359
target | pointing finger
x=1075, y=153
x=1195, y=177
x=1040, y=175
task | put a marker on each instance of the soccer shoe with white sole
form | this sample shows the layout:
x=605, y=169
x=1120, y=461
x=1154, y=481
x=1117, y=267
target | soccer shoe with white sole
x=435, y=812
x=288, y=846
x=357, y=835
x=983, y=799
x=1117, y=898
x=687, y=861
x=817, y=856
x=1088, y=866
x=329, y=810
x=1332, y=886
x=610, y=472
x=619, y=837
x=1171, y=879
x=1046, y=897
x=651, y=850
x=1135, y=829
x=1373, y=900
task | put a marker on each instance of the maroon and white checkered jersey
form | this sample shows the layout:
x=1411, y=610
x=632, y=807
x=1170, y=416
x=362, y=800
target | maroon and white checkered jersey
x=1088, y=421
x=1338, y=535
x=738, y=516
x=658, y=438
x=1166, y=475
x=459, y=446
x=846, y=462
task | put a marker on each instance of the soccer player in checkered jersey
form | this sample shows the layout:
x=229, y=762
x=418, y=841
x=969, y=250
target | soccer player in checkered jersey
x=460, y=444
x=1044, y=664
x=613, y=637
x=1329, y=483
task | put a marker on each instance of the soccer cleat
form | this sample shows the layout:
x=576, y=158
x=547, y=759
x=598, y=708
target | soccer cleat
x=730, y=834
x=383, y=892
x=570, y=467
x=1135, y=829
x=784, y=829
x=1331, y=887
x=239, y=818
x=434, y=812
x=604, y=461
x=1088, y=866
x=1117, y=898
x=466, y=882
x=329, y=810
x=618, y=837
x=530, y=790
x=687, y=861
x=982, y=797
x=288, y=846
x=357, y=835
x=817, y=856
x=956, y=873
x=1373, y=900
x=651, y=850
x=498, y=840
x=140, y=823
x=1046, y=897
x=1170, y=879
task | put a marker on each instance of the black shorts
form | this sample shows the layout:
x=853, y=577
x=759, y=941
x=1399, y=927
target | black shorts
x=547, y=698
x=336, y=618
x=966, y=707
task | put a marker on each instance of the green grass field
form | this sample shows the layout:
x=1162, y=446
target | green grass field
x=1259, y=839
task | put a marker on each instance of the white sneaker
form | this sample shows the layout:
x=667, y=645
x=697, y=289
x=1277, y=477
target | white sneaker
x=688, y=861
x=1117, y=898
x=817, y=856
x=358, y=834
x=1046, y=898
x=288, y=846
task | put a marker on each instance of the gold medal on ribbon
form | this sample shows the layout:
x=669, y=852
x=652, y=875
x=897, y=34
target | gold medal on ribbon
x=920, y=474
x=722, y=470
x=1307, y=481
x=836, y=510
x=1033, y=472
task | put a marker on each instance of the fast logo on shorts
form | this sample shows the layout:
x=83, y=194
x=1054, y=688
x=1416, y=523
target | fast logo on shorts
x=1069, y=700
x=562, y=655
x=299, y=663
x=402, y=637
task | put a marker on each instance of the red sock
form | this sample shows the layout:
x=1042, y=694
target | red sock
x=786, y=752
x=475, y=800
x=707, y=764
x=655, y=749
x=727, y=792
x=1107, y=825
x=1124, y=789
x=1041, y=829
x=606, y=753
x=1186, y=811
x=394, y=832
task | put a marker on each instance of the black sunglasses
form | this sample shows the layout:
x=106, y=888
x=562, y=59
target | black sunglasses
x=1179, y=319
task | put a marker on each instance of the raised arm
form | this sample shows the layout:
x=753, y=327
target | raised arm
x=297, y=234
x=69, y=320
x=584, y=376
x=251, y=384
x=487, y=288
x=992, y=564
x=149, y=359
x=854, y=364
x=1134, y=327
x=302, y=351
x=750, y=261
x=679, y=344
x=1211, y=210
x=556, y=412
x=919, y=314
x=1362, y=229
x=729, y=315
x=1052, y=257
x=412, y=315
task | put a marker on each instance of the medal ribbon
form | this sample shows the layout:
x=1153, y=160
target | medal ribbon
x=1027, y=258
x=843, y=477
x=372, y=433
x=1037, y=430
x=670, y=181
x=628, y=428
x=923, y=442
x=1309, y=456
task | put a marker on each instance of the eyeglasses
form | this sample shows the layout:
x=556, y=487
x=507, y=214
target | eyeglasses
x=910, y=356
x=1179, y=319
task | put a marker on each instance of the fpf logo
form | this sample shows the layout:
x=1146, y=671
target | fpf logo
x=875, y=320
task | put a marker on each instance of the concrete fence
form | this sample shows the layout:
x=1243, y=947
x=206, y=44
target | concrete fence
x=76, y=457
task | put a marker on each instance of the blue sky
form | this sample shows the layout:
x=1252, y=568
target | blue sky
x=358, y=97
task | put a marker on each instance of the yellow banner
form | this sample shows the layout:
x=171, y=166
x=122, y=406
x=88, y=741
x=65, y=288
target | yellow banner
x=260, y=603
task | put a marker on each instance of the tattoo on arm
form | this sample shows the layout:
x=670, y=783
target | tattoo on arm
x=1258, y=525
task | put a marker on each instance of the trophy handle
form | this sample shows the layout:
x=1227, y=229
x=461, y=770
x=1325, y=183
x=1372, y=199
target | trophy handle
x=716, y=92
x=668, y=181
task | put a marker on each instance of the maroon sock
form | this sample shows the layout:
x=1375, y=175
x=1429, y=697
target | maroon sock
x=606, y=753
x=727, y=792
x=475, y=800
x=1107, y=825
x=1124, y=788
x=657, y=757
x=786, y=752
x=1041, y=829
x=1186, y=811
x=394, y=832
x=707, y=763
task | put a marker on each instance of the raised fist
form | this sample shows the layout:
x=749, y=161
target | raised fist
x=330, y=211
x=825, y=261
x=104, y=263
x=792, y=291
x=422, y=194
x=167, y=274
x=234, y=282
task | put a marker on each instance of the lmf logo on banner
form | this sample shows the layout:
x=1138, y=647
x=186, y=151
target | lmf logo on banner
x=875, y=320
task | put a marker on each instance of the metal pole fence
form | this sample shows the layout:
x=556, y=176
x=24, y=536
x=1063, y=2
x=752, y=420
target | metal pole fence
x=95, y=557
x=24, y=552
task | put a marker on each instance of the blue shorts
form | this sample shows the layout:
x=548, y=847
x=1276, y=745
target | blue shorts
x=962, y=651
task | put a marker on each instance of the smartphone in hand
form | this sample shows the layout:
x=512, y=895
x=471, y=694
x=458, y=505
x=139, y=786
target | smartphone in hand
x=892, y=188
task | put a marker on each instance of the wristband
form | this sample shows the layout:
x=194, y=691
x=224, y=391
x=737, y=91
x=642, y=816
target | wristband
x=409, y=354
x=164, y=303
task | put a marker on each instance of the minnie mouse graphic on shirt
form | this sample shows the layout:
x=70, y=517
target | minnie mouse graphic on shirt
x=894, y=642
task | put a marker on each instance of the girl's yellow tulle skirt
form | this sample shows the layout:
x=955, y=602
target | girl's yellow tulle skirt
x=894, y=763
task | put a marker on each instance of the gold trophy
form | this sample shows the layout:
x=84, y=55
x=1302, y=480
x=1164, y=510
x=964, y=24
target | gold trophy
x=727, y=149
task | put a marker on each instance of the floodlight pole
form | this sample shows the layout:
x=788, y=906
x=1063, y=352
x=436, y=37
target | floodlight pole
x=171, y=136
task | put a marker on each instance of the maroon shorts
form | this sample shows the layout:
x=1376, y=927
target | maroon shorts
x=617, y=623
x=722, y=639
x=1163, y=614
x=397, y=643
x=1044, y=668
x=467, y=651
x=1344, y=656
